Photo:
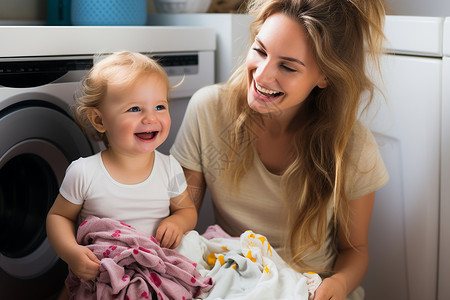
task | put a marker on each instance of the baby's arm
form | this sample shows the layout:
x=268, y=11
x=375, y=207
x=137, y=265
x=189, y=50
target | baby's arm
x=61, y=220
x=183, y=217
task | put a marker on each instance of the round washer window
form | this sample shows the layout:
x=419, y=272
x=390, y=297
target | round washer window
x=36, y=146
x=28, y=188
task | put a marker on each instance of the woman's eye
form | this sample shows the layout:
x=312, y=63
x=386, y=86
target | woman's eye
x=134, y=109
x=160, y=107
x=259, y=51
x=288, y=68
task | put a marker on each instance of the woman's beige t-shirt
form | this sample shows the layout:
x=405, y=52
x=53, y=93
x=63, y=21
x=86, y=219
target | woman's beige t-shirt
x=201, y=145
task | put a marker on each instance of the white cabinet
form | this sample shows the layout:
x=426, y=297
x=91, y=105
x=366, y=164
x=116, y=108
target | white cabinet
x=444, y=233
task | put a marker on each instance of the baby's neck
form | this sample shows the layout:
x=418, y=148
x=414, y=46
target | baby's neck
x=127, y=169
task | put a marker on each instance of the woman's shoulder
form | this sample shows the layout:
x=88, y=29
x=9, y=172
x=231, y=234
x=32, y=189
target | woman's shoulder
x=361, y=144
x=365, y=163
x=207, y=106
x=361, y=134
x=207, y=95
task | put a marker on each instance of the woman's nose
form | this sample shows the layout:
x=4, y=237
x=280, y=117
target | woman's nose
x=265, y=71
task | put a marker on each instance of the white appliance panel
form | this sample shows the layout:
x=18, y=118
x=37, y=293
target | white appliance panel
x=20, y=41
x=444, y=233
x=404, y=228
x=414, y=35
x=446, y=37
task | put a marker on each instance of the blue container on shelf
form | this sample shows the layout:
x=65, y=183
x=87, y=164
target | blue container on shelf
x=109, y=12
x=58, y=12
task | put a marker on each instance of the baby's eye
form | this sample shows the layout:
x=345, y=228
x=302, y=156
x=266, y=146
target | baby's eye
x=160, y=107
x=134, y=109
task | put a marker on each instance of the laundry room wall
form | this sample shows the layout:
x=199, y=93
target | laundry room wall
x=30, y=12
x=27, y=10
x=34, y=11
x=432, y=8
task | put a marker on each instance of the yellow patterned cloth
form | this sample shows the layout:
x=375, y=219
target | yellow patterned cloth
x=246, y=268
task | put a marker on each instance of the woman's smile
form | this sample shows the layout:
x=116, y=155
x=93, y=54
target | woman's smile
x=265, y=95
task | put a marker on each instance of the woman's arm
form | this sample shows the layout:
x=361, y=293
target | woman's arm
x=61, y=220
x=352, y=262
x=196, y=186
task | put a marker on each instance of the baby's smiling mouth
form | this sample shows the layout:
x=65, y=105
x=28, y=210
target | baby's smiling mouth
x=149, y=135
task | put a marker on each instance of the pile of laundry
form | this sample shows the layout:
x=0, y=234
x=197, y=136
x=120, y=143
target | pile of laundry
x=209, y=266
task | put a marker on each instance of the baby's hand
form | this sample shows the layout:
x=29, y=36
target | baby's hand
x=83, y=262
x=169, y=234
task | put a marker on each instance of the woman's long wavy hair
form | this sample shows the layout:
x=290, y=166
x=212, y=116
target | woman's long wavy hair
x=344, y=33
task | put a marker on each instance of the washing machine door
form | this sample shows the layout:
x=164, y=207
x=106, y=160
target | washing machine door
x=37, y=143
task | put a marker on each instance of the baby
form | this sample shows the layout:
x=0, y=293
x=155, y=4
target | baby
x=124, y=98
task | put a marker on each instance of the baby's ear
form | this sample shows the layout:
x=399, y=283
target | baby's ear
x=95, y=117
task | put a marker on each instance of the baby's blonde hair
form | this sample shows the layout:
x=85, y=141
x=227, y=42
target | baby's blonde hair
x=122, y=68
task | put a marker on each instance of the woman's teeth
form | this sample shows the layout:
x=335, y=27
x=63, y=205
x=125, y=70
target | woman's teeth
x=265, y=92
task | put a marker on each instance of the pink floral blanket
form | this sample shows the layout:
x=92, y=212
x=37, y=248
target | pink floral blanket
x=133, y=266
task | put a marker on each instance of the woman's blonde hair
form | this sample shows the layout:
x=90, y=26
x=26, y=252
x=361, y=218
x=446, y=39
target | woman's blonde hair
x=342, y=32
x=122, y=68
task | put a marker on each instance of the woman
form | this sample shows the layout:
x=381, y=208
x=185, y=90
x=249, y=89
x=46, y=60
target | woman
x=279, y=145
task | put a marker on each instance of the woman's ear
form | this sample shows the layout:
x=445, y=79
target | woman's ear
x=95, y=117
x=322, y=83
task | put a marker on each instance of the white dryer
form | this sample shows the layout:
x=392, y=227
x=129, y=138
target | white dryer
x=40, y=69
x=404, y=232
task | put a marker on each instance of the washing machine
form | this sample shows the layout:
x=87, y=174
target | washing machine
x=38, y=139
x=40, y=69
